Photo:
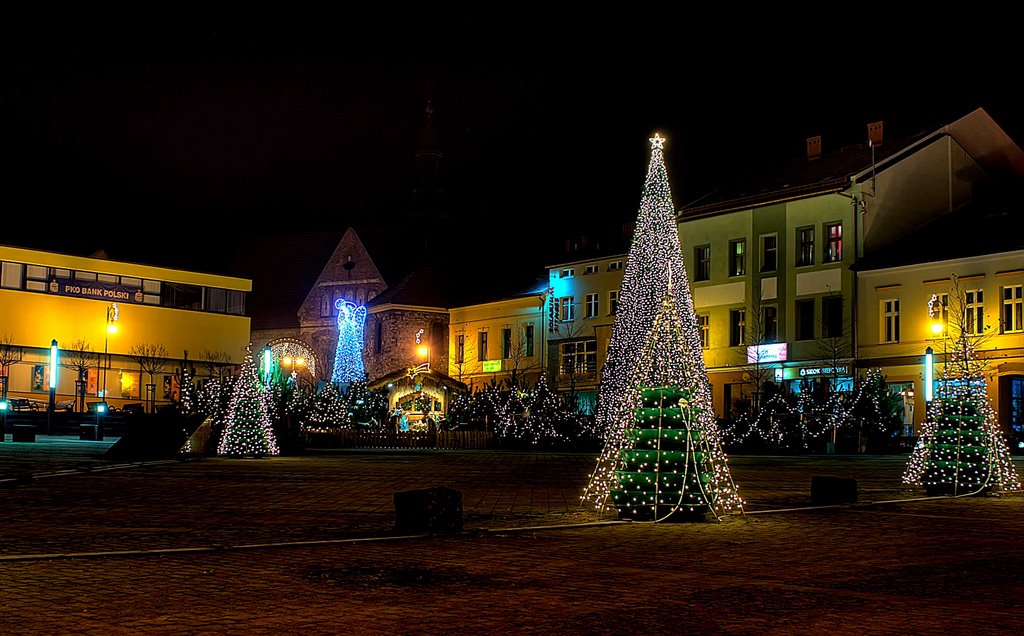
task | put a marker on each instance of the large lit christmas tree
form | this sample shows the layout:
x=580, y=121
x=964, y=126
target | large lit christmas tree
x=248, y=429
x=960, y=450
x=646, y=351
x=348, y=358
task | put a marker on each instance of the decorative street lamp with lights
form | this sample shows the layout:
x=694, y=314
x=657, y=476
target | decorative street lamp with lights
x=291, y=363
x=112, y=315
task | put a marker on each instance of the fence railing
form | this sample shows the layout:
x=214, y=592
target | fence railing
x=350, y=438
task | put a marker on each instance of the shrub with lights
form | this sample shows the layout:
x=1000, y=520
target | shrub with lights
x=655, y=347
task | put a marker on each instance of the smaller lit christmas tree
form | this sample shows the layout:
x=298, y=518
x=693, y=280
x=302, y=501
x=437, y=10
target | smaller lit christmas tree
x=328, y=409
x=961, y=450
x=248, y=429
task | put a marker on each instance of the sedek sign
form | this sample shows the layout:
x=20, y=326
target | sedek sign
x=95, y=290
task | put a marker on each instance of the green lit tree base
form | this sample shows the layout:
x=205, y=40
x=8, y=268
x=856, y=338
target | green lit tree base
x=957, y=451
x=666, y=470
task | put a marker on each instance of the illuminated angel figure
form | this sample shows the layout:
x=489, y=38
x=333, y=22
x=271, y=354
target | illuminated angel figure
x=348, y=361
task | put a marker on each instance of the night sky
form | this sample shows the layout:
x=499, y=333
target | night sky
x=167, y=147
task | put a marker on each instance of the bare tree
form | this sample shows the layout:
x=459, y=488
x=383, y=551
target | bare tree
x=966, y=333
x=10, y=355
x=152, y=359
x=214, y=362
x=572, y=363
x=520, y=361
x=79, y=357
x=463, y=354
x=760, y=328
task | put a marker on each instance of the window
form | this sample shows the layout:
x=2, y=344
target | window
x=506, y=343
x=460, y=348
x=151, y=290
x=36, y=277
x=566, y=309
x=938, y=313
x=110, y=279
x=613, y=302
x=738, y=257
x=182, y=296
x=378, y=338
x=215, y=300
x=130, y=281
x=481, y=349
x=614, y=266
x=704, y=325
x=975, y=311
x=834, y=244
x=326, y=306
x=891, y=320
x=236, y=303
x=702, y=261
x=805, y=241
x=769, y=252
x=89, y=276
x=1013, y=308
x=737, y=324
x=567, y=273
x=590, y=269
x=528, y=341
x=11, y=275
x=578, y=357
x=769, y=323
x=832, y=317
x=1016, y=393
x=805, y=319
x=590, y=307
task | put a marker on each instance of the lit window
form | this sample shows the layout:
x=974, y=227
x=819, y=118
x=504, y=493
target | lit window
x=737, y=257
x=704, y=324
x=566, y=309
x=834, y=245
x=569, y=272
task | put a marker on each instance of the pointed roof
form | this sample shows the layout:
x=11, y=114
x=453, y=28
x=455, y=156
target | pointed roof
x=977, y=132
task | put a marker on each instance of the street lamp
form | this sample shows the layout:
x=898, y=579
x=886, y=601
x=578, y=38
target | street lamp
x=291, y=363
x=53, y=386
x=112, y=314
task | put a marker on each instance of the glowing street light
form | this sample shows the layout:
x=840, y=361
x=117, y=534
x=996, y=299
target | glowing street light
x=53, y=386
x=112, y=315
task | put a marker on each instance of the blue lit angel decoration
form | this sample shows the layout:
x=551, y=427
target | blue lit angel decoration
x=348, y=361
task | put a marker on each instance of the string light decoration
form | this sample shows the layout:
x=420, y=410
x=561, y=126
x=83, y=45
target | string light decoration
x=327, y=410
x=248, y=430
x=961, y=450
x=348, y=359
x=655, y=259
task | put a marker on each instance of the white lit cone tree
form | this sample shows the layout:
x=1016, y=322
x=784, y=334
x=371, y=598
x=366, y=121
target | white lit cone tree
x=248, y=430
x=641, y=357
x=960, y=450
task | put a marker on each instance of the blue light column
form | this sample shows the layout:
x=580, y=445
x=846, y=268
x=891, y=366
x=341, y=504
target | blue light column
x=929, y=374
x=53, y=386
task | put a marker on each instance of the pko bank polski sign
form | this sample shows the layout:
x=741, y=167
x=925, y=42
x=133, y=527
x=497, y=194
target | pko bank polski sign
x=95, y=290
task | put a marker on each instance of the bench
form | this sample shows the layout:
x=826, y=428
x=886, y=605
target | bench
x=23, y=404
x=133, y=407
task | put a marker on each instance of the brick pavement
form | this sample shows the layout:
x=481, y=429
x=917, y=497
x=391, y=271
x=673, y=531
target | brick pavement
x=942, y=566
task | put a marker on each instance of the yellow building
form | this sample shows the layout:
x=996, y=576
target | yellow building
x=500, y=341
x=92, y=306
x=909, y=301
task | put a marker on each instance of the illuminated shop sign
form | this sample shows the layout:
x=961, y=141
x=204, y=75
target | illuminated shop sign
x=95, y=289
x=810, y=372
x=761, y=354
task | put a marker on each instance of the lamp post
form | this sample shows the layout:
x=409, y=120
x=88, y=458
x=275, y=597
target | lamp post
x=291, y=363
x=3, y=419
x=112, y=314
x=53, y=386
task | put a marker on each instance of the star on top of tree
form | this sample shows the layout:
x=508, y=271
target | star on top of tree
x=657, y=141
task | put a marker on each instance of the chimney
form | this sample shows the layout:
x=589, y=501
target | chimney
x=813, y=148
x=875, y=133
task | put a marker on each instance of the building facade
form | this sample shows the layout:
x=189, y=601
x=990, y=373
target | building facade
x=104, y=314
